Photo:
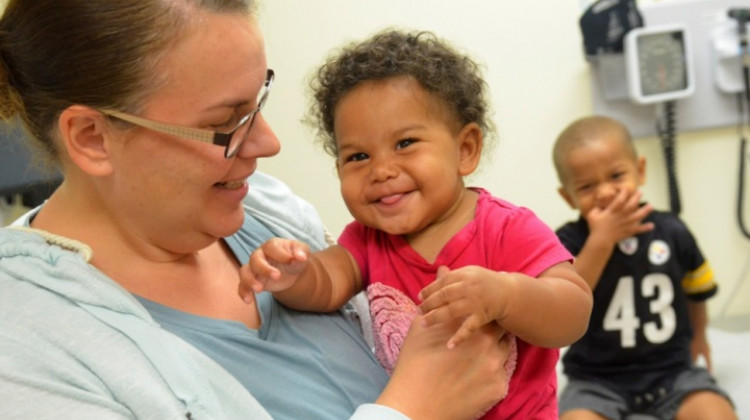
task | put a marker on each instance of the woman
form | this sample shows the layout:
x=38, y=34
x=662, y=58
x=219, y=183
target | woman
x=152, y=111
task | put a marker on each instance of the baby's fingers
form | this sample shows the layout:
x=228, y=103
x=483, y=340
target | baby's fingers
x=249, y=284
x=436, y=309
x=441, y=280
x=245, y=292
x=255, y=274
x=284, y=251
x=261, y=267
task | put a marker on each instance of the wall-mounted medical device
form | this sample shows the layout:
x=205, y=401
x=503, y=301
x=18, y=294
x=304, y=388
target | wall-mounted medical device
x=732, y=61
x=726, y=57
x=712, y=55
x=658, y=64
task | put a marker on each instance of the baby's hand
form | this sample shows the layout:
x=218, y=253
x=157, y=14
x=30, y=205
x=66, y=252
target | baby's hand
x=273, y=267
x=471, y=293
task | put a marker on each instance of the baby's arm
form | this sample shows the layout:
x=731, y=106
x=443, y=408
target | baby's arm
x=550, y=311
x=322, y=281
x=274, y=266
x=621, y=219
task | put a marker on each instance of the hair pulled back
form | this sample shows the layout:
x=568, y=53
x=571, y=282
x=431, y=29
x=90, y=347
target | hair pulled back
x=434, y=64
x=98, y=53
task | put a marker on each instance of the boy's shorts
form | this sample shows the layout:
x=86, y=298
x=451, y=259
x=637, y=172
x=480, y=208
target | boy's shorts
x=660, y=403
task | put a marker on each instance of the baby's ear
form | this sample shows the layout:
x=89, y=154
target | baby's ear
x=470, y=142
x=84, y=136
x=568, y=199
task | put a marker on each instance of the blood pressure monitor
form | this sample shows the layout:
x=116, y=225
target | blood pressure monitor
x=658, y=64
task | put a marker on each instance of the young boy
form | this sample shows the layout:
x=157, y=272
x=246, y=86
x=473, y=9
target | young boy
x=405, y=117
x=650, y=283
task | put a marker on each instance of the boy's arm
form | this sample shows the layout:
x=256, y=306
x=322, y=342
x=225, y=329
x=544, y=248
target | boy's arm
x=550, y=311
x=593, y=257
x=330, y=278
x=699, y=320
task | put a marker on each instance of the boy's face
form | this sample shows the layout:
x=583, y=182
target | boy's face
x=402, y=156
x=596, y=171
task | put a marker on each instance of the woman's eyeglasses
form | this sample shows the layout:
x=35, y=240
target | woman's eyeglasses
x=232, y=141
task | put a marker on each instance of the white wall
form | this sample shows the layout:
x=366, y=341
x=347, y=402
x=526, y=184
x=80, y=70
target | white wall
x=539, y=82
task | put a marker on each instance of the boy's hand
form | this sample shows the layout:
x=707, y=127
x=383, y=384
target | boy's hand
x=273, y=267
x=699, y=347
x=621, y=219
x=471, y=293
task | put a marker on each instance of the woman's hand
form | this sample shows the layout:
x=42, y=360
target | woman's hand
x=433, y=382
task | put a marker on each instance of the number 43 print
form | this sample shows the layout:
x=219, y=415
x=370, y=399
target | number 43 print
x=621, y=314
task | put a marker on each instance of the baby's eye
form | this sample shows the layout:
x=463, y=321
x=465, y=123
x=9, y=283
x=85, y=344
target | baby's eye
x=618, y=175
x=356, y=157
x=401, y=144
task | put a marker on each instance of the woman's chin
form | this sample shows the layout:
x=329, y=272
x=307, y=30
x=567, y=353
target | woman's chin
x=228, y=225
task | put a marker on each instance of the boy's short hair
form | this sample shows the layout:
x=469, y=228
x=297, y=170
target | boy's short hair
x=584, y=131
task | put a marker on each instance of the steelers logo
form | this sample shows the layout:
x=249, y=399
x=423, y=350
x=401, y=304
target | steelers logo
x=658, y=252
x=628, y=246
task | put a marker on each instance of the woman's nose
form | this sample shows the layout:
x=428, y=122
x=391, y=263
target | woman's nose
x=261, y=140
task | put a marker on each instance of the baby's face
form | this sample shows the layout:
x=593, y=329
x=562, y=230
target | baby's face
x=400, y=156
x=597, y=171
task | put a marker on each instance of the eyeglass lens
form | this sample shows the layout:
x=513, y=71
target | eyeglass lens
x=241, y=133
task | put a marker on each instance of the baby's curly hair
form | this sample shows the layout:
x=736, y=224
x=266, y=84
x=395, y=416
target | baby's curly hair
x=439, y=69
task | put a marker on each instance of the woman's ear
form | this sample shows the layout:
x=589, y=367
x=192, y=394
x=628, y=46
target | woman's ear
x=84, y=137
x=470, y=141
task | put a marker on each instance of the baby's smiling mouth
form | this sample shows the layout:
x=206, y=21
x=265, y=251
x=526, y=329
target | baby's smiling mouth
x=391, y=199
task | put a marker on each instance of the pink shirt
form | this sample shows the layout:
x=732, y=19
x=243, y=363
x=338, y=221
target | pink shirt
x=502, y=237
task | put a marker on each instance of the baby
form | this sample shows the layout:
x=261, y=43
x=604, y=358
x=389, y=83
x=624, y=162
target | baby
x=404, y=115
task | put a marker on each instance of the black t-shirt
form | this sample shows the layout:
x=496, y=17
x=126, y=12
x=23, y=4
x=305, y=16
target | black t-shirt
x=640, y=322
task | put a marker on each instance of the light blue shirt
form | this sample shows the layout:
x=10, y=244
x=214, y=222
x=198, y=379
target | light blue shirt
x=297, y=365
x=74, y=344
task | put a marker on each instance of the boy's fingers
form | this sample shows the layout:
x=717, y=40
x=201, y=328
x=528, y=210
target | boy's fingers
x=646, y=227
x=620, y=200
x=646, y=209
